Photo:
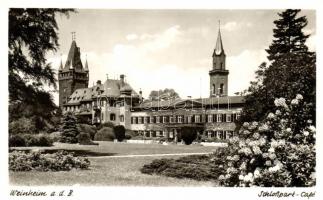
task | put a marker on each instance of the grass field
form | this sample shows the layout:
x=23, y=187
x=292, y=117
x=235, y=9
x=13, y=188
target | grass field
x=110, y=171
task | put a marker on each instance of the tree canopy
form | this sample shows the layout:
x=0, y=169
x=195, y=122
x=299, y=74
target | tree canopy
x=32, y=34
x=163, y=94
x=292, y=69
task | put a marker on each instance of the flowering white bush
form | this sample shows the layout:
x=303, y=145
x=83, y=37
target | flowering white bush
x=278, y=151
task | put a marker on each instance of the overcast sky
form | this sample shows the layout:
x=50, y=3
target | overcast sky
x=159, y=49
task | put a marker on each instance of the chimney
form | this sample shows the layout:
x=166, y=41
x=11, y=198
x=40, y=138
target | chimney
x=122, y=79
x=98, y=82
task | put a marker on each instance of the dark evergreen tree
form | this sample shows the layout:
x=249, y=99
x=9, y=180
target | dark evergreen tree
x=188, y=134
x=32, y=34
x=69, y=129
x=292, y=69
x=119, y=132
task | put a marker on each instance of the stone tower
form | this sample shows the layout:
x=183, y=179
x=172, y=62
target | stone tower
x=72, y=76
x=218, y=74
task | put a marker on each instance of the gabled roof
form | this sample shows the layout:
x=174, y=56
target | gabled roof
x=74, y=58
x=112, y=88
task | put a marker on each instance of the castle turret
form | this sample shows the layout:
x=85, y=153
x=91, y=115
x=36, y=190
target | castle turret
x=72, y=76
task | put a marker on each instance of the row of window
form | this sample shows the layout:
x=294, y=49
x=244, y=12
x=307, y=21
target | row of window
x=77, y=107
x=186, y=119
x=220, y=134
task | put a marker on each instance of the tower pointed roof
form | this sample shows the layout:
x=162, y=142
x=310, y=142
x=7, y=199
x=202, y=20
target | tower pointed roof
x=61, y=66
x=86, y=67
x=74, y=58
x=219, y=46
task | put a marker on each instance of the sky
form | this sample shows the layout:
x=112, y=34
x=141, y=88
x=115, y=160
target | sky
x=159, y=49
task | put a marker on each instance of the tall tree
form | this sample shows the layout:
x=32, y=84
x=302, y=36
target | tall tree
x=163, y=94
x=32, y=34
x=292, y=69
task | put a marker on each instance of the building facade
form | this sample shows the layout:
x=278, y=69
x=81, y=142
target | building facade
x=117, y=102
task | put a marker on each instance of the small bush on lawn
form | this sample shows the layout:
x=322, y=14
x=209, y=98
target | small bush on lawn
x=85, y=139
x=17, y=141
x=86, y=128
x=104, y=134
x=197, y=167
x=128, y=137
x=59, y=161
x=119, y=132
x=188, y=134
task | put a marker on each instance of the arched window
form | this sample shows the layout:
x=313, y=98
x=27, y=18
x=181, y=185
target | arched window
x=112, y=117
x=213, y=89
x=221, y=88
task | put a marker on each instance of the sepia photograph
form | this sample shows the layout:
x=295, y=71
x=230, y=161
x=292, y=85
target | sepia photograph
x=161, y=98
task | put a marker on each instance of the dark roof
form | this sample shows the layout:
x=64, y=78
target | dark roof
x=196, y=102
x=219, y=46
x=74, y=58
x=110, y=88
x=223, y=100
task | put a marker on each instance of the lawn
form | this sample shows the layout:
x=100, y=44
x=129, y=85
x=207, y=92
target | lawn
x=111, y=148
x=112, y=171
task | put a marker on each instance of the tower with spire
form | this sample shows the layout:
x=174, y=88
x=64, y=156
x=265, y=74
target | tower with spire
x=218, y=73
x=72, y=76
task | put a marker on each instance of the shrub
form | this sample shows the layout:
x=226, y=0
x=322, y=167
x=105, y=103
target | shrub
x=17, y=141
x=38, y=140
x=22, y=125
x=55, y=136
x=90, y=129
x=104, y=134
x=119, y=132
x=59, y=161
x=188, y=134
x=44, y=140
x=272, y=152
x=197, y=167
x=106, y=124
x=85, y=139
x=69, y=130
x=128, y=137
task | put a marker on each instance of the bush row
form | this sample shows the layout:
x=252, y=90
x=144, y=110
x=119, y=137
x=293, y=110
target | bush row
x=30, y=140
x=59, y=161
